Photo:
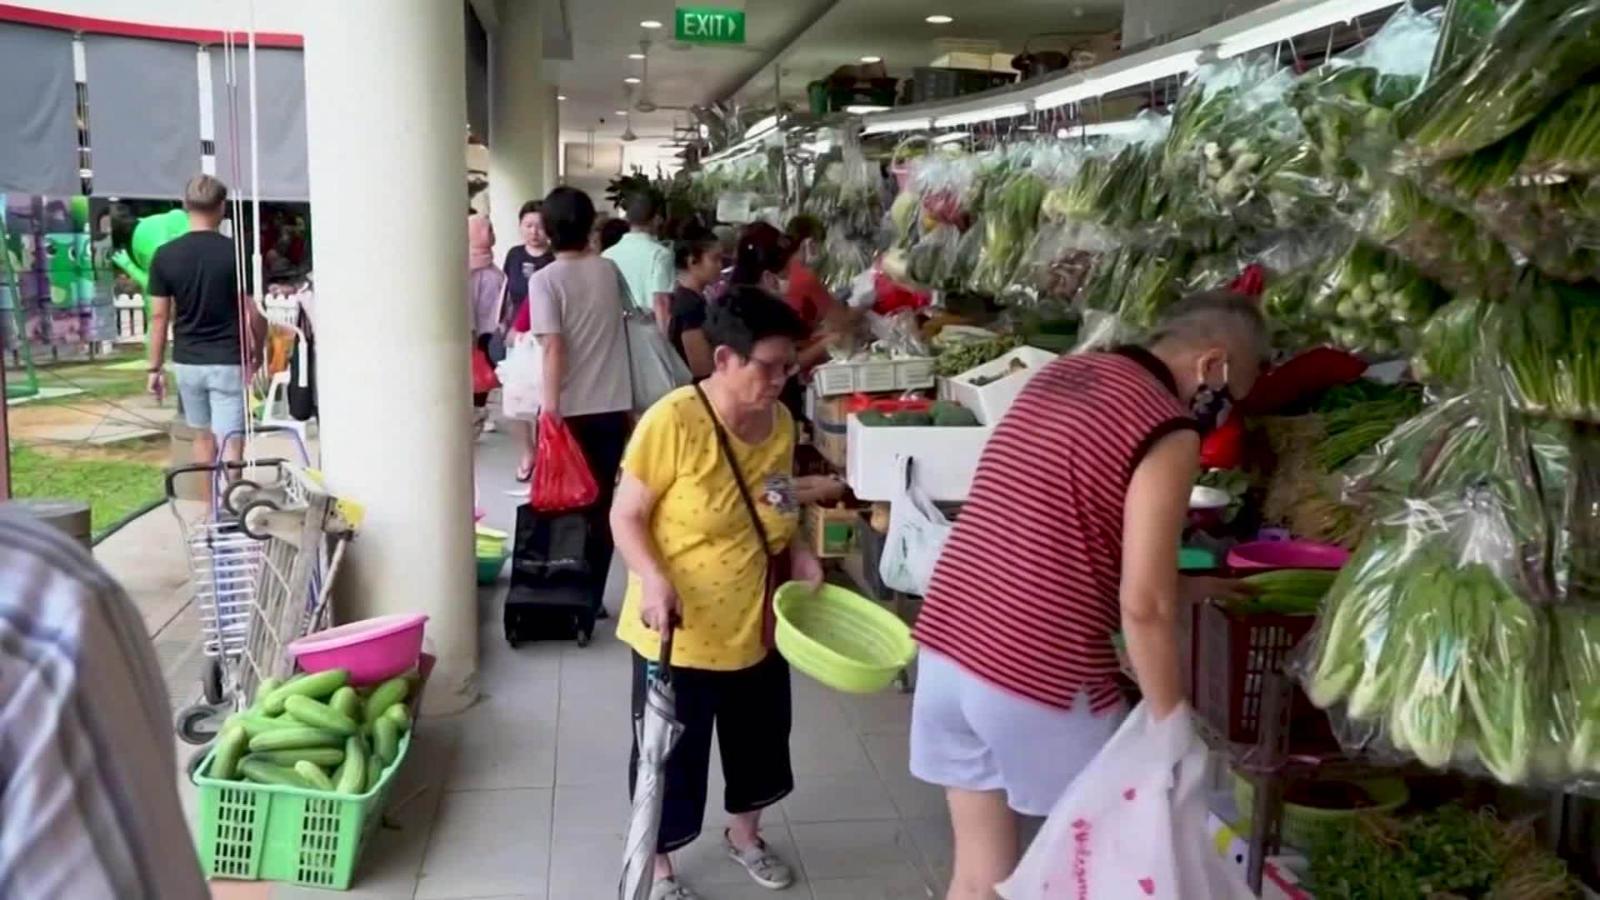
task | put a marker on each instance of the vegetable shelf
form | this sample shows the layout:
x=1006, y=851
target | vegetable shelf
x=260, y=832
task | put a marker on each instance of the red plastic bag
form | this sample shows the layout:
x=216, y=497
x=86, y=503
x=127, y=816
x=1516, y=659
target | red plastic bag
x=561, y=476
x=483, y=377
x=1223, y=448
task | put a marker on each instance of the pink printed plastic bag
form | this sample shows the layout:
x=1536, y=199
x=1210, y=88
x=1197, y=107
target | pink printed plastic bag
x=1132, y=826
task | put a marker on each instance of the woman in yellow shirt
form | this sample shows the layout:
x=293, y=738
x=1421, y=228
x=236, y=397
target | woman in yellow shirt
x=697, y=564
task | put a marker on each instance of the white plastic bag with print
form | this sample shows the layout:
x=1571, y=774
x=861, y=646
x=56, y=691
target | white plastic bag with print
x=521, y=376
x=1132, y=826
x=917, y=532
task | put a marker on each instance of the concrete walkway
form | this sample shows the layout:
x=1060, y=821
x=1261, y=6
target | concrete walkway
x=523, y=797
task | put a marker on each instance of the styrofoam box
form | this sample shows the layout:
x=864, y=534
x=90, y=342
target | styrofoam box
x=944, y=460
x=872, y=376
x=989, y=402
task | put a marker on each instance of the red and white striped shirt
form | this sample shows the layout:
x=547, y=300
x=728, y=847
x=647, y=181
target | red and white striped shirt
x=1025, y=594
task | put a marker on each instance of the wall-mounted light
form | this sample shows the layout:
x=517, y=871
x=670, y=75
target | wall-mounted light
x=938, y=20
x=869, y=60
x=649, y=23
x=1313, y=18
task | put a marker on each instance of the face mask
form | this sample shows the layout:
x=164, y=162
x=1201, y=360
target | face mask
x=1211, y=405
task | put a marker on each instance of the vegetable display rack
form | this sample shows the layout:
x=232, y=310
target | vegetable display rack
x=263, y=832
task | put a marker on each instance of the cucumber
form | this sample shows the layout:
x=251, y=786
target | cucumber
x=225, y=763
x=352, y=778
x=400, y=716
x=386, y=695
x=347, y=701
x=319, y=715
x=317, y=687
x=385, y=740
x=295, y=738
x=321, y=756
x=267, y=773
x=258, y=723
x=313, y=775
x=263, y=690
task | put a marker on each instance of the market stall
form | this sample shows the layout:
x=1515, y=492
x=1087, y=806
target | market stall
x=1415, y=489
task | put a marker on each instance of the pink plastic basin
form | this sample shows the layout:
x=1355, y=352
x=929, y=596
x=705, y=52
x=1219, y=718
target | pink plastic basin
x=373, y=650
x=1287, y=555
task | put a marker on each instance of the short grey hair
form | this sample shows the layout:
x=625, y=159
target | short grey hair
x=204, y=193
x=1212, y=316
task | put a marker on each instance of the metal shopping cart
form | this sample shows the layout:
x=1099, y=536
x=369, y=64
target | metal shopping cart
x=262, y=561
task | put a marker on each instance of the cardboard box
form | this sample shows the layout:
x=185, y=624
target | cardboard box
x=944, y=460
x=831, y=530
x=990, y=401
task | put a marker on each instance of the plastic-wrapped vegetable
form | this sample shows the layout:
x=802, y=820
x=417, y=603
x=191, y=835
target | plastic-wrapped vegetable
x=1059, y=259
x=1548, y=340
x=1136, y=284
x=1577, y=694
x=1450, y=342
x=1008, y=224
x=932, y=261
x=1466, y=25
x=1442, y=243
x=1372, y=301
x=1566, y=140
x=1536, y=53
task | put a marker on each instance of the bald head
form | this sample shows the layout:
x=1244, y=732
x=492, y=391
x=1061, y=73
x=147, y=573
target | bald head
x=1210, y=338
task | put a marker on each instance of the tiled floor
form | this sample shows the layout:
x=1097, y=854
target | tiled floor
x=523, y=796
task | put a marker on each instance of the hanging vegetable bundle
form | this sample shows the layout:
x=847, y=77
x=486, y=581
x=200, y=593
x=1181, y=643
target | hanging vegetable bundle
x=1548, y=341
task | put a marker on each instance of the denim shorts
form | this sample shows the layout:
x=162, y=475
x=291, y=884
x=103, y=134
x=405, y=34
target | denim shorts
x=212, y=397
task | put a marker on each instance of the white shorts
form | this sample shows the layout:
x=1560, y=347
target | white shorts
x=970, y=734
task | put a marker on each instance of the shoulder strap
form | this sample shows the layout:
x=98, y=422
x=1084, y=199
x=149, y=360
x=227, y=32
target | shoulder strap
x=738, y=477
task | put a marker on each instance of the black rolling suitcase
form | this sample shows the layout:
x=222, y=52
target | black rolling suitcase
x=550, y=579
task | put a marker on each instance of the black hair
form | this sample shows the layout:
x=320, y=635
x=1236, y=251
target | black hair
x=746, y=316
x=643, y=206
x=762, y=249
x=806, y=227
x=695, y=242
x=568, y=216
x=532, y=206
x=611, y=232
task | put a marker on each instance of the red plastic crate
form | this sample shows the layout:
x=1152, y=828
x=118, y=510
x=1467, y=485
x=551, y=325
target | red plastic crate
x=1233, y=651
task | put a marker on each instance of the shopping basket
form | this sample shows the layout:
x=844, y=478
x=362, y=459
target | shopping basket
x=841, y=638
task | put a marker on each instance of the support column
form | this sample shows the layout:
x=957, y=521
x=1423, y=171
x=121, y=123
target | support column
x=385, y=114
x=519, y=107
x=552, y=137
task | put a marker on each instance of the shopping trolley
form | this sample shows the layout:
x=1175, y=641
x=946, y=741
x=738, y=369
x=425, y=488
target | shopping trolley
x=261, y=561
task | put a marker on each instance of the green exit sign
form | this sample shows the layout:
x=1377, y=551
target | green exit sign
x=710, y=25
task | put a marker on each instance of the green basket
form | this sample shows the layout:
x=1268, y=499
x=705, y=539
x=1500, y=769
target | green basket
x=260, y=832
x=489, y=567
x=841, y=638
x=1301, y=824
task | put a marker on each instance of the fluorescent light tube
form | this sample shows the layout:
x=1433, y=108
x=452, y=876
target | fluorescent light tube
x=892, y=126
x=987, y=114
x=1137, y=74
x=952, y=137
x=1313, y=17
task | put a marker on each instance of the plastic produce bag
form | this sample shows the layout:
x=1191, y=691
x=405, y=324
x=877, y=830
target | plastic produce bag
x=1548, y=340
x=656, y=367
x=1133, y=824
x=521, y=377
x=1372, y=302
x=1539, y=51
x=561, y=477
x=917, y=534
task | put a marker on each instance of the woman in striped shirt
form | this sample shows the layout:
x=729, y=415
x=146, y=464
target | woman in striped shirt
x=1069, y=533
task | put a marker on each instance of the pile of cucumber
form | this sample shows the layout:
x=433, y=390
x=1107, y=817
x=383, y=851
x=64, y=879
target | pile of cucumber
x=316, y=731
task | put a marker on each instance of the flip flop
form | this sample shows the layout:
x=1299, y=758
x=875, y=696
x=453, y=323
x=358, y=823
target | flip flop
x=524, y=472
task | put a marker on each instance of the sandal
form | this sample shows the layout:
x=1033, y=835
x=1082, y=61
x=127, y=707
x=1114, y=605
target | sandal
x=525, y=471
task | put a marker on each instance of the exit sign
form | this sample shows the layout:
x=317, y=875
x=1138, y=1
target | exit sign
x=710, y=25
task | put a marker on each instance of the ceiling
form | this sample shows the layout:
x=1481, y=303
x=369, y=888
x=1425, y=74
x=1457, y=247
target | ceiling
x=804, y=39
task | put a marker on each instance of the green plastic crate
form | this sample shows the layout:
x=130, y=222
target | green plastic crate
x=259, y=832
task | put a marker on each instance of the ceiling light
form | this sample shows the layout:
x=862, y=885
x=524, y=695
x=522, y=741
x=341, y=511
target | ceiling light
x=649, y=23
x=631, y=79
x=1028, y=127
x=891, y=126
x=869, y=60
x=1314, y=17
x=561, y=96
x=938, y=20
x=988, y=113
x=952, y=137
x=1090, y=85
x=622, y=112
x=861, y=109
x=636, y=56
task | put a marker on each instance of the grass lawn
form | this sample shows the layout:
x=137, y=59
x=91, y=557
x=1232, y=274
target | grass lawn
x=112, y=488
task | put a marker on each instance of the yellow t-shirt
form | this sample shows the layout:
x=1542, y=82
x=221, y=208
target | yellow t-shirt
x=703, y=532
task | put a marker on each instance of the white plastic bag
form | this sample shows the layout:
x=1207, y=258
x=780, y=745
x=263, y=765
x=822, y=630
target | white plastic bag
x=521, y=377
x=1132, y=826
x=656, y=367
x=917, y=532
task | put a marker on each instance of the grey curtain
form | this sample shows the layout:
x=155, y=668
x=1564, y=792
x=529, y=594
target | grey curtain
x=38, y=110
x=144, y=115
x=281, y=122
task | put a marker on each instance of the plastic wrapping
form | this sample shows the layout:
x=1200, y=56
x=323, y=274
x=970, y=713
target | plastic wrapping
x=1059, y=260
x=1369, y=301
x=1536, y=53
x=1449, y=343
x=1566, y=140
x=1010, y=215
x=1444, y=244
x=1548, y=342
x=843, y=259
x=931, y=262
x=1136, y=283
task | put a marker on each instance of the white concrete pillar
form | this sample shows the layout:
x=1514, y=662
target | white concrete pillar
x=552, y=137
x=519, y=101
x=385, y=103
